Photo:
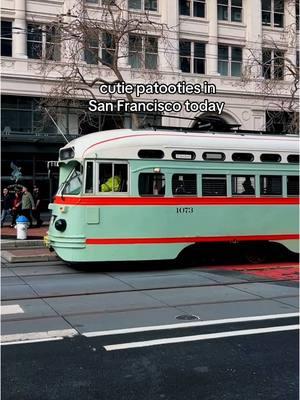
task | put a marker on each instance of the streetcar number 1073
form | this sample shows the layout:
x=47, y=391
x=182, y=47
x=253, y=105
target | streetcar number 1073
x=184, y=210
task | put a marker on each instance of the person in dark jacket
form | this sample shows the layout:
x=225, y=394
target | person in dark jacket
x=36, y=213
x=6, y=205
x=27, y=204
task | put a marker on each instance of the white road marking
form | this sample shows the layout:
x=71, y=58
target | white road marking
x=184, y=339
x=36, y=336
x=11, y=309
x=188, y=325
x=33, y=341
x=33, y=337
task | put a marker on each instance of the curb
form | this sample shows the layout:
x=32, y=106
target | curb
x=21, y=244
x=13, y=258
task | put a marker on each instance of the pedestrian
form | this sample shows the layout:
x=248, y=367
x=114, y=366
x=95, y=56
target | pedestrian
x=16, y=207
x=27, y=204
x=36, y=213
x=6, y=205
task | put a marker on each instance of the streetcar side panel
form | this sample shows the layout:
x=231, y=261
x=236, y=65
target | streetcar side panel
x=135, y=227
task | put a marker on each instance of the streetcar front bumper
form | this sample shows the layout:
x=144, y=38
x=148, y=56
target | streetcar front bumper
x=74, y=241
x=47, y=244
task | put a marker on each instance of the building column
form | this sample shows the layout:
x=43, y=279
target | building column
x=212, y=46
x=19, y=31
x=169, y=47
x=71, y=10
x=253, y=50
x=291, y=37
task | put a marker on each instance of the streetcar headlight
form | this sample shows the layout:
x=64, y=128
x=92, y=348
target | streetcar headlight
x=66, y=154
x=60, y=225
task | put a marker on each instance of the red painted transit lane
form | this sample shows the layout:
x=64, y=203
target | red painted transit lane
x=276, y=271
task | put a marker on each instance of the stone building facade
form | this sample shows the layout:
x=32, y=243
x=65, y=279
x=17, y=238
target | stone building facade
x=209, y=40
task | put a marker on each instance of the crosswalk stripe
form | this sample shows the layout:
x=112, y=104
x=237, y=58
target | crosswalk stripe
x=11, y=309
x=37, y=336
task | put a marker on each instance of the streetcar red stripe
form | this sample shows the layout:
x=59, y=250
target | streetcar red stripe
x=198, y=239
x=172, y=201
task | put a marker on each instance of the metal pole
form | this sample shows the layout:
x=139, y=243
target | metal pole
x=52, y=119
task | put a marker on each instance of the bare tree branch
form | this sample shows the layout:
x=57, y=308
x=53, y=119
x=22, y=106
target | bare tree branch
x=97, y=44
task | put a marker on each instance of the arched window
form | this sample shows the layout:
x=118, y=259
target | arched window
x=293, y=158
x=151, y=153
x=213, y=156
x=270, y=158
x=242, y=157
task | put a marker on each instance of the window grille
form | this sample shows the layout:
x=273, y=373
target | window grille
x=214, y=185
x=293, y=185
x=271, y=185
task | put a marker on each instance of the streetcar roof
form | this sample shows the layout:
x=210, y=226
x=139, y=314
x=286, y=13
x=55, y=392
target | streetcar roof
x=126, y=143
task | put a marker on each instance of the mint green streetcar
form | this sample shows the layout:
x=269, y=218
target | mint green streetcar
x=151, y=194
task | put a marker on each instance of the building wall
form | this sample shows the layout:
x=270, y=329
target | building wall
x=245, y=102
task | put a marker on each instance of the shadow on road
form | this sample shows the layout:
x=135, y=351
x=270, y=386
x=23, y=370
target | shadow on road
x=199, y=256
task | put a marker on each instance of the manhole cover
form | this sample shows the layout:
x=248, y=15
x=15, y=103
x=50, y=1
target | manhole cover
x=187, y=317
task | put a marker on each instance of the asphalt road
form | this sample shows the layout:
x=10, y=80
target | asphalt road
x=218, y=332
x=250, y=367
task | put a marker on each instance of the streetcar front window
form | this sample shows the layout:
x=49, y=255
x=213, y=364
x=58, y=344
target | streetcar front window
x=73, y=183
x=89, y=177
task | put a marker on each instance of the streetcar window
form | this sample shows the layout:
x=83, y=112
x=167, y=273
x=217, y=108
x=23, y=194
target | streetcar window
x=121, y=170
x=214, y=185
x=293, y=158
x=248, y=157
x=149, y=153
x=89, y=178
x=271, y=185
x=113, y=177
x=183, y=155
x=270, y=158
x=151, y=184
x=293, y=185
x=243, y=185
x=184, y=184
x=73, y=183
x=213, y=156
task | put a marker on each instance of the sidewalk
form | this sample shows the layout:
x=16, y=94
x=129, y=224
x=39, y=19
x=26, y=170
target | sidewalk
x=34, y=254
x=8, y=233
x=32, y=249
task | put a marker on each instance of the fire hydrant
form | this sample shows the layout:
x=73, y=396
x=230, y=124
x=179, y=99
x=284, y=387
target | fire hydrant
x=22, y=224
